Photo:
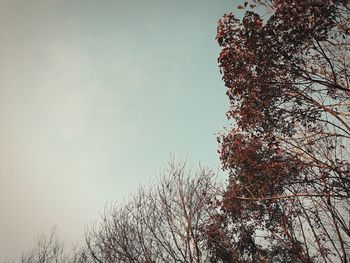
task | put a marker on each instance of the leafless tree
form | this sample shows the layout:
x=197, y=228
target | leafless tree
x=160, y=224
x=50, y=249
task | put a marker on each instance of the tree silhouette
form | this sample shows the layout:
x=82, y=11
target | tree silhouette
x=160, y=224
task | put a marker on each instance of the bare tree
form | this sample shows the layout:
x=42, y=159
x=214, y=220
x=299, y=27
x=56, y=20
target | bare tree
x=50, y=249
x=160, y=224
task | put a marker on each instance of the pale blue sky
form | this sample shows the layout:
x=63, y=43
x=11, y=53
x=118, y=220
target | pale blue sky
x=94, y=98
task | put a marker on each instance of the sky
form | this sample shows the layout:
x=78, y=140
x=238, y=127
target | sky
x=95, y=98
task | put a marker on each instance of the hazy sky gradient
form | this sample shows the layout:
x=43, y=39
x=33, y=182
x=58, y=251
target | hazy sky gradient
x=94, y=97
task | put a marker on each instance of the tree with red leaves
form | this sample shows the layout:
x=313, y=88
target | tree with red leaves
x=287, y=153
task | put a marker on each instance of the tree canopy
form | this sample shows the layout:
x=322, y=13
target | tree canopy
x=286, y=70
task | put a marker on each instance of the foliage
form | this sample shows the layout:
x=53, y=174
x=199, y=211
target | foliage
x=287, y=79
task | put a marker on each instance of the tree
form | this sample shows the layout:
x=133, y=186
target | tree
x=287, y=79
x=161, y=224
x=50, y=249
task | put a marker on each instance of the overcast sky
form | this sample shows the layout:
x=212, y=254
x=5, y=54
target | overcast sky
x=95, y=95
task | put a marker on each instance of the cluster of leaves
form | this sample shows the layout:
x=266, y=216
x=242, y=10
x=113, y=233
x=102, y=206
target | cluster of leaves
x=287, y=79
